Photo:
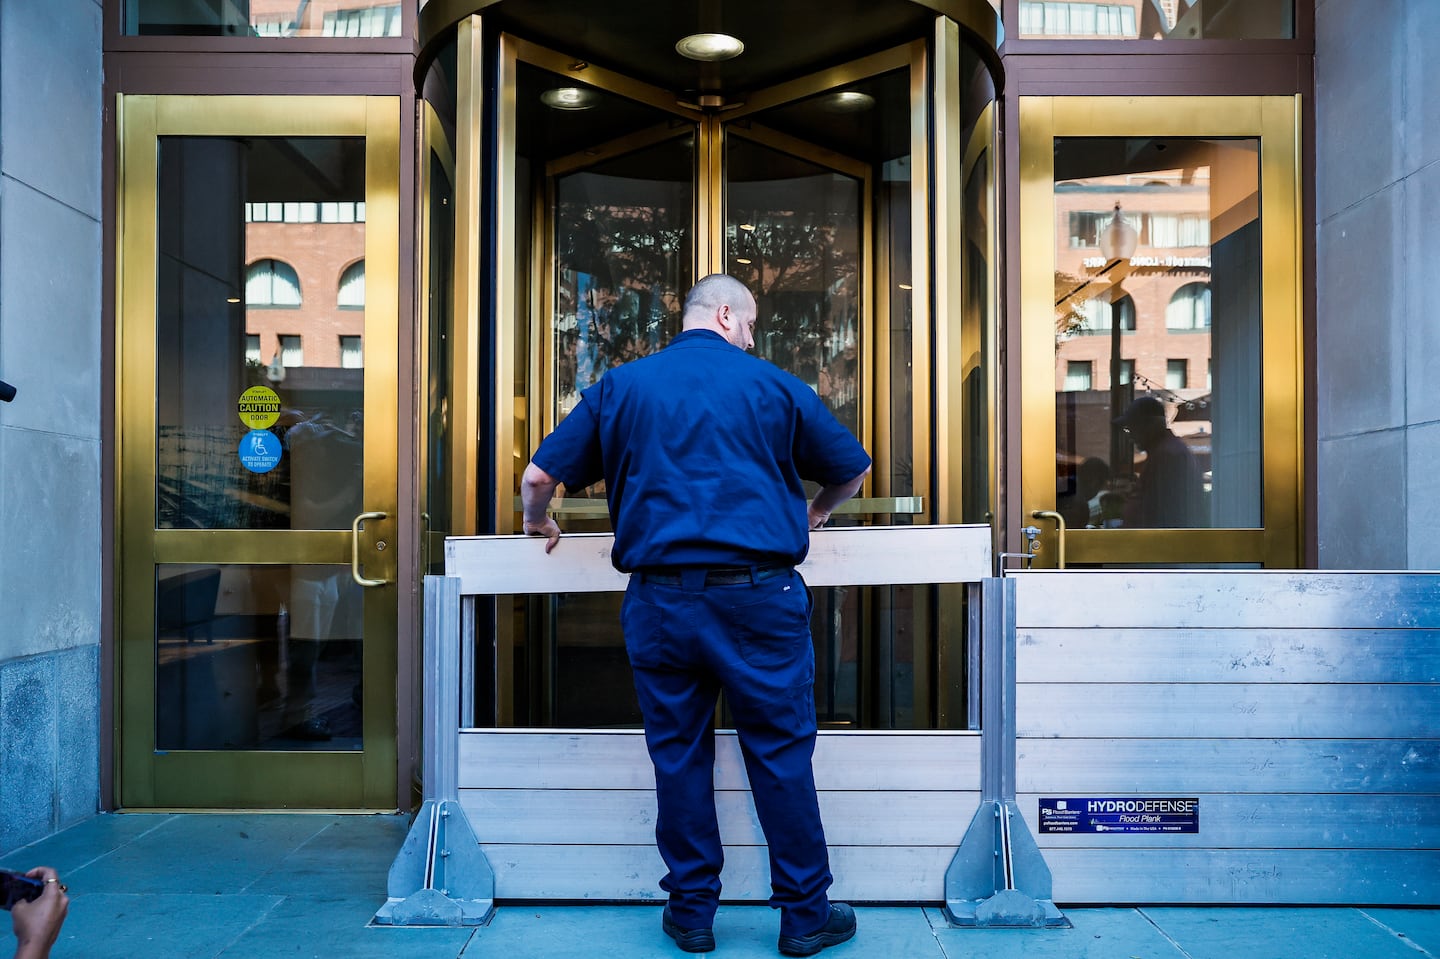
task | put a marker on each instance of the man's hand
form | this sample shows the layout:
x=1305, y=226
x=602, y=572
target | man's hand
x=536, y=488
x=37, y=924
x=830, y=497
x=548, y=529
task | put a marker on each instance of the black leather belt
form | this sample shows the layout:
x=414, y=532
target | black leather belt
x=723, y=576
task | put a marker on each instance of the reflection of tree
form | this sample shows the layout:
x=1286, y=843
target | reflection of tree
x=1068, y=320
x=805, y=281
x=618, y=269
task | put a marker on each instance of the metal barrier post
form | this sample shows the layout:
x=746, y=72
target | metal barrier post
x=998, y=877
x=440, y=877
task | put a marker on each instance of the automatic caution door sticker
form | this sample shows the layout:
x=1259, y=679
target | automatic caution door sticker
x=260, y=451
x=259, y=407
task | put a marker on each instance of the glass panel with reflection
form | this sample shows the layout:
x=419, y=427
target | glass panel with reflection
x=1157, y=333
x=259, y=418
x=264, y=18
x=1157, y=20
x=609, y=184
x=257, y=657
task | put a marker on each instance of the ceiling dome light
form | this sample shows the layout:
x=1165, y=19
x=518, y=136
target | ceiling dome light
x=709, y=47
x=847, y=101
x=568, y=98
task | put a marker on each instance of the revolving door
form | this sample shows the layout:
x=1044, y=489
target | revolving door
x=856, y=202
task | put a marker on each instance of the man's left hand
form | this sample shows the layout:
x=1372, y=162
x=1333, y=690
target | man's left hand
x=548, y=529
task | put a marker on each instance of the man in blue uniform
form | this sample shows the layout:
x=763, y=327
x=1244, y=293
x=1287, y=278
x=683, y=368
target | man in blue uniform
x=703, y=449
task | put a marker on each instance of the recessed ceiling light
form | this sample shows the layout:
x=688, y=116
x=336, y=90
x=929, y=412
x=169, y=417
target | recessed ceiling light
x=232, y=299
x=709, y=47
x=741, y=259
x=747, y=226
x=847, y=101
x=568, y=98
x=905, y=286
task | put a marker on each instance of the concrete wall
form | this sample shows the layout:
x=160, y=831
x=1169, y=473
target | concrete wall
x=1377, y=73
x=50, y=522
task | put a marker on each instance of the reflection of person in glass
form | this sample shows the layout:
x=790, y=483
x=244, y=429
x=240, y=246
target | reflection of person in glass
x=1081, y=506
x=326, y=471
x=1168, y=493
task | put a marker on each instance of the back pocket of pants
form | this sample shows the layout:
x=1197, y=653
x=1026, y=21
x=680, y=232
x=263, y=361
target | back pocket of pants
x=771, y=625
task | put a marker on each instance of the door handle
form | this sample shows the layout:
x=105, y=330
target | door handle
x=1059, y=533
x=355, y=550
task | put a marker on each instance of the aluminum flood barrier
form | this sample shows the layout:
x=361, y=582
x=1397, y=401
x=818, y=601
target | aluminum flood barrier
x=568, y=814
x=1231, y=737
x=1188, y=737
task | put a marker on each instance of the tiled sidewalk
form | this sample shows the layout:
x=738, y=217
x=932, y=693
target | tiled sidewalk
x=153, y=886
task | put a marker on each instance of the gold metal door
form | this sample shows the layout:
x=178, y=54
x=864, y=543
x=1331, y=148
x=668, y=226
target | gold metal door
x=1160, y=326
x=257, y=502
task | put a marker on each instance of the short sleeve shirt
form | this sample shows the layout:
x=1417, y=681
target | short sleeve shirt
x=704, y=450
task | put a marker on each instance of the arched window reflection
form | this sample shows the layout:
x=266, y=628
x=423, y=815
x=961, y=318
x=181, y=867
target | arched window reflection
x=271, y=283
x=1096, y=315
x=1189, y=308
x=352, y=287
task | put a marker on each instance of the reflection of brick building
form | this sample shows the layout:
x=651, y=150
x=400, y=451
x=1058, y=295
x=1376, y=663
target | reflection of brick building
x=326, y=18
x=1165, y=342
x=327, y=260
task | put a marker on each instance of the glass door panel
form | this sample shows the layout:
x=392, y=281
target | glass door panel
x=1161, y=345
x=604, y=197
x=258, y=657
x=623, y=261
x=818, y=198
x=1157, y=406
x=258, y=487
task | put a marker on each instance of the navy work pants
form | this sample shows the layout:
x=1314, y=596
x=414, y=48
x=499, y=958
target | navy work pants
x=685, y=643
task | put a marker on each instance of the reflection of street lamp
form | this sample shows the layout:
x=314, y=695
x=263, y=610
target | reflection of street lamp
x=1117, y=242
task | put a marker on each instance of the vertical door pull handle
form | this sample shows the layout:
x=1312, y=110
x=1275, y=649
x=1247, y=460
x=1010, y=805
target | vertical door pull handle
x=355, y=550
x=1059, y=533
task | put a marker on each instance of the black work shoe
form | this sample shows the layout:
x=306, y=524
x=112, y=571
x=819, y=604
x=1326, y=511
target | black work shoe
x=689, y=940
x=840, y=928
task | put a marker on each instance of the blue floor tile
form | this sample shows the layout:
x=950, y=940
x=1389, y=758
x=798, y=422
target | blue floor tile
x=1095, y=934
x=156, y=926
x=247, y=886
x=348, y=856
x=1419, y=926
x=302, y=928
x=84, y=843
x=1278, y=933
x=217, y=854
x=633, y=932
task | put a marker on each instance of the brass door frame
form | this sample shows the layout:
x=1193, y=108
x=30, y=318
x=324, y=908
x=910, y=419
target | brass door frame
x=1274, y=121
x=259, y=779
x=432, y=141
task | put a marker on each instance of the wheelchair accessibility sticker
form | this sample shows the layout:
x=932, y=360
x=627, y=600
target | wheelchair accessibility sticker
x=1127, y=815
x=260, y=451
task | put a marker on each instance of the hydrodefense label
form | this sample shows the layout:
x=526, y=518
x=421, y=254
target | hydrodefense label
x=260, y=451
x=259, y=407
x=1129, y=814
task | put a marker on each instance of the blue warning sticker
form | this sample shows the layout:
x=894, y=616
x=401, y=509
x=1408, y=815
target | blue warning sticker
x=1149, y=815
x=260, y=451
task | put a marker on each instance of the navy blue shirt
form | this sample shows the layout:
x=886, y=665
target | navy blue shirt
x=703, y=449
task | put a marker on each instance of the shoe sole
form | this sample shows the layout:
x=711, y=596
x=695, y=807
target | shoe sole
x=690, y=940
x=810, y=945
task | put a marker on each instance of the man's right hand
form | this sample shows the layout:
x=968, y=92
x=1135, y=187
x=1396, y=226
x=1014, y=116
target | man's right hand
x=548, y=529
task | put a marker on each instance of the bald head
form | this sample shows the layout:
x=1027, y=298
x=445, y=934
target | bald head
x=722, y=304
